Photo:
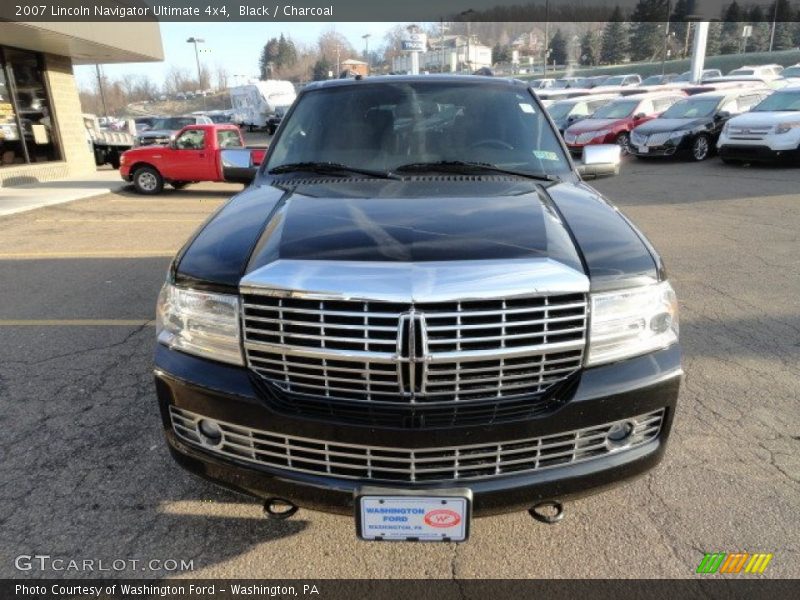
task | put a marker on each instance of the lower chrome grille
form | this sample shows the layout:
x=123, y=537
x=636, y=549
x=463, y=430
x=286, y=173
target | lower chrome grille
x=378, y=463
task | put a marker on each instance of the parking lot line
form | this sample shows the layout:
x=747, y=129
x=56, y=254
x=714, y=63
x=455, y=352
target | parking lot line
x=75, y=322
x=154, y=220
x=88, y=254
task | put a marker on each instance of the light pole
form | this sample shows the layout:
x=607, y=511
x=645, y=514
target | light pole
x=468, y=14
x=442, y=29
x=546, y=33
x=195, y=41
x=366, y=37
x=774, y=20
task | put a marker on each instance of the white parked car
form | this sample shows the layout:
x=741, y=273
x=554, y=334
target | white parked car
x=771, y=130
x=542, y=84
x=791, y=74
x=765, y=72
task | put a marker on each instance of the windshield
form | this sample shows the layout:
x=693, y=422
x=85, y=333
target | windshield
x=791, y=72
x=559, y=110
x=173, y=123
x=742, y=72
x=788, y=101
x=652, y=80
x=615, y=80
x=616, y=110
x=382, y=126
x=691, y=109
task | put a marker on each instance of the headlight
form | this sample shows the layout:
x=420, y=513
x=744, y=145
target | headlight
x=601, y=133
x=201, y=323
x=678, y=134
x=726, y=128
x=786, y=127
x=632, y=322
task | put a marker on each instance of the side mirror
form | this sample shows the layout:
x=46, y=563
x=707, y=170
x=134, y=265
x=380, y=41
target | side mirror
x=723, y=114
x=600, y=160
x=639, y=116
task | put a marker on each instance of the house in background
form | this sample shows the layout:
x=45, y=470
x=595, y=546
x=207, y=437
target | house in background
x=358, y=67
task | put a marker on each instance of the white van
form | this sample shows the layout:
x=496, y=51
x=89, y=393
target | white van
x=257, y=104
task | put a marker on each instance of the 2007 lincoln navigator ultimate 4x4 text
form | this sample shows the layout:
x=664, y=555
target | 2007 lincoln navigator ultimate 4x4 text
x=418, y=312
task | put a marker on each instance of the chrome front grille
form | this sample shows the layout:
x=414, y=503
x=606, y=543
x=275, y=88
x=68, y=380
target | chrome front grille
x=421, y=465
x=658, y=139
x=585, y=138
x=423, y=354
x=748, y=133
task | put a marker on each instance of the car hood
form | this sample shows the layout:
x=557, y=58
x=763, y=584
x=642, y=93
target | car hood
x=764, y=119
x=435, y=219
x=664, y=125
x=586, y=125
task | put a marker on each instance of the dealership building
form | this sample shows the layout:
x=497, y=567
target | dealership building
x=42, y=132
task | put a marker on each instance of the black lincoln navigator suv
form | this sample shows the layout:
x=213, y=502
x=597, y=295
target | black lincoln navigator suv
x=418, y=312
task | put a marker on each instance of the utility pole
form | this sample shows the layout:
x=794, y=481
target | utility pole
x=100, y=88
x=774, y=20
x=338, y=48
x=666, y=37
x=195, y=41
x=441, y=43
x=546, y=33
x=366, y=37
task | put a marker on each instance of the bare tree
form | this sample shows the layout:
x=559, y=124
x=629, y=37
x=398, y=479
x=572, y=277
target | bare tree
x=222, y=78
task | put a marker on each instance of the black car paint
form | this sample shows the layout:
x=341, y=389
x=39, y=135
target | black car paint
x=710, y=125
x=486, y=216
x=414, y=221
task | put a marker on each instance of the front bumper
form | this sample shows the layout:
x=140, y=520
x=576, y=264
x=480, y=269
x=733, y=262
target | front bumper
x=749, y=152
x=607, y=393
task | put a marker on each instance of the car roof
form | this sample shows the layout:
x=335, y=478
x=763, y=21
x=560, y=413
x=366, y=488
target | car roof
x=649, y=95
x=435, y=78
x=729, y=93
x=589, y=97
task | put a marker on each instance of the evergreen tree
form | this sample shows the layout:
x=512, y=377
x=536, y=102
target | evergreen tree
x=287, y=53
x=730, y=36
x=713, y=42
x=679, y=27
x=614, y=45
x=269, y=56
x=558, y=49
x=501, y=54
x=590, y=51
x=784, y=38
x=647, y=29
x=321, y=68
x=759, y=41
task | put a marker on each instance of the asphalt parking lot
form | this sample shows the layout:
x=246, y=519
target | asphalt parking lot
x=86, y=473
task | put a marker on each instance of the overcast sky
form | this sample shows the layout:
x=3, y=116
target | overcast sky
x=237, y=46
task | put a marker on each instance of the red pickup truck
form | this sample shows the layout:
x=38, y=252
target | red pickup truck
x=196, y=153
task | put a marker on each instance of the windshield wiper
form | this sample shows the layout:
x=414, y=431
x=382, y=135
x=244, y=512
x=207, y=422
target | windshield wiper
x=327, y=168
x=461, y=166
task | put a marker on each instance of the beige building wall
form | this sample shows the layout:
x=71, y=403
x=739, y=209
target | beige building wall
x=77, y=160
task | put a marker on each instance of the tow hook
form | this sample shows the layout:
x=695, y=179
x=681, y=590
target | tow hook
x=549, y=512
x=279, y=509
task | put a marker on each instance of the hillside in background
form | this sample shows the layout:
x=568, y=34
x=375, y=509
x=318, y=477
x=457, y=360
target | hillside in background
x=217, y=101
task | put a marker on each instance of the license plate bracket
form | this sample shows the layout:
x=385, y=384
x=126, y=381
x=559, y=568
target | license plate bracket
x=430, y=515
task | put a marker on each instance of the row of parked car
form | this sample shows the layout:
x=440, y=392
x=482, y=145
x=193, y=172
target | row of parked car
x=159, y=130
x=742, y=120
x=765, y=73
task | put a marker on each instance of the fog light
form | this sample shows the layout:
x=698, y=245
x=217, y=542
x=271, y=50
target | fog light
x=619, y=434
x=209, y=432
